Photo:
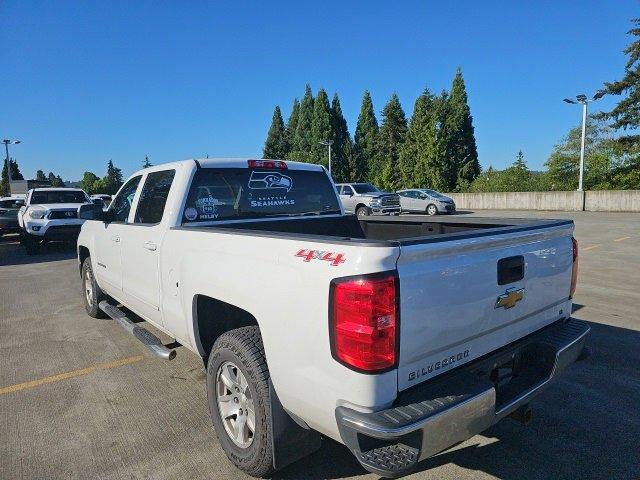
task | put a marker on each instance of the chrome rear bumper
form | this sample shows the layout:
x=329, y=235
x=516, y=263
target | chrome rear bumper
x=432, y=417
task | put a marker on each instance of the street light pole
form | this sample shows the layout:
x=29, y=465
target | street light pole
x=582, y=98
x=584, y=134
x=328, y=143
x=8, y=142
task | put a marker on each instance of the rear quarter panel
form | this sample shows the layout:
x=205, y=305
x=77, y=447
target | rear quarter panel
x=289, y=299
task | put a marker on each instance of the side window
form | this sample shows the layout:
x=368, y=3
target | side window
x=340, y=190
x=348, y=190
x=154, y=197
x=121, y=205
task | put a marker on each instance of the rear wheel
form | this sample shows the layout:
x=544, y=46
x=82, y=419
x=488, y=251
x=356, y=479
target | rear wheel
x=239, y=401
x=431, y=209
x=92, y=295
x=363, y=211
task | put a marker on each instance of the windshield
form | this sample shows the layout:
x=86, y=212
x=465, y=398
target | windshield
x=239, y=193
x=364, y=188
x=58, y=196
x=433, y=193
x=11, y=203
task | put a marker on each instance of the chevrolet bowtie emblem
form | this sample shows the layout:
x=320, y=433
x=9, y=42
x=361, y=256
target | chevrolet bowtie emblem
x=509, y=298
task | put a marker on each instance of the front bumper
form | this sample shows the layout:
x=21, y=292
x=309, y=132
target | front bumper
x=385, y=210
x=434, y=416
x=448, y=208
x=66, y=233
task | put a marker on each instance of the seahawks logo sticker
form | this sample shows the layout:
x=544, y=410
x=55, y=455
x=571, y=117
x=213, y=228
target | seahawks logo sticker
x=269, y=181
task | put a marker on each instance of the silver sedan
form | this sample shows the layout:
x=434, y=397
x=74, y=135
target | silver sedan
x=427, y=201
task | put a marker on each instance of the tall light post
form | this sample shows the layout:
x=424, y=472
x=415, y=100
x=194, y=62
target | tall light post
x=582, y=98
x=328, y=143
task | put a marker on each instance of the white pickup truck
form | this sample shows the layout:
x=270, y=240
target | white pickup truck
x=50, y=214
x=397, y=337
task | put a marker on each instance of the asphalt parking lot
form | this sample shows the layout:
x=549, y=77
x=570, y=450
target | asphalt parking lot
x=79, y=398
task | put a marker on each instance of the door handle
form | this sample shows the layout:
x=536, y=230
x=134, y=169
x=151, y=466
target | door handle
x=115, y=238
x=150, y=246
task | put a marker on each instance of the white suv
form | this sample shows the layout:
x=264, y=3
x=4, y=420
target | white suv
x=51, y=214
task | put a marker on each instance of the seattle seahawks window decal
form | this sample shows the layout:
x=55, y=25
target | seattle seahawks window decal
x=269, y=181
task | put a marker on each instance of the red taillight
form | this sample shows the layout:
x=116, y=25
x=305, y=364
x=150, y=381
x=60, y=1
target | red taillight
x=364, y=322
x=267, y=164
x=574, y=269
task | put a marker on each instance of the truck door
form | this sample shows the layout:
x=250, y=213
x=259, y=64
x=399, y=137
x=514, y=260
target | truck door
x=346, y=197
x=108, y=237
x=140, y=247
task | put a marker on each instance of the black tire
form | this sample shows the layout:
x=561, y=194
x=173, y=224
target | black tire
x=243, y=348
x=431, y=209
x=363, y=211
x=91, y=301
x=31, y=244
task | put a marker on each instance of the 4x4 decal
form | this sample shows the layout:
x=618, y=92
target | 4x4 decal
x=308, y=255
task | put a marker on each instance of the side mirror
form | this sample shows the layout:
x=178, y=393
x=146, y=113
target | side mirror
x=93, y=211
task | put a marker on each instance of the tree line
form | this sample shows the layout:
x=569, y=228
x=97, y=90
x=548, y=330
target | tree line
x=435, y=148
x=612, y=146
x=609, y=165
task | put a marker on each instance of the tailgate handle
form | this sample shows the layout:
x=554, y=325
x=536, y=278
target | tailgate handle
x=510, y=269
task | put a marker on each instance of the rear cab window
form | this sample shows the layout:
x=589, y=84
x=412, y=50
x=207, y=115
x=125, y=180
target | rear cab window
x=248, y=193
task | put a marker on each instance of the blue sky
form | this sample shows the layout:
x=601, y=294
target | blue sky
x=84, y=82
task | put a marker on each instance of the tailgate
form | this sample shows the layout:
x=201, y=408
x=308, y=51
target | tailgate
x=450, y=311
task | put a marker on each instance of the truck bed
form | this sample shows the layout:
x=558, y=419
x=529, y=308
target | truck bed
x=404, y=230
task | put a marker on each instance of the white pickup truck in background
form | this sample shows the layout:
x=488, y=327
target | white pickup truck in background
x=50, y=214
x=396, y=336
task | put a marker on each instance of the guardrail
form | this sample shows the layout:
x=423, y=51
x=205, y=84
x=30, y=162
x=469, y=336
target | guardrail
x=592, y=200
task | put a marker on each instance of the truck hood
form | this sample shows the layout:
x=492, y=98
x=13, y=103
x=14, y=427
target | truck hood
x=57, y=206
x=377, y=194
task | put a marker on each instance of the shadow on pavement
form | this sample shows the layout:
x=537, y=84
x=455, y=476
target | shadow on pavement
x=586, y=425
x=12, y=253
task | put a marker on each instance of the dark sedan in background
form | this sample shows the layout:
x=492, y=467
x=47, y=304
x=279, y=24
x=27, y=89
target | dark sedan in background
x=9, y=215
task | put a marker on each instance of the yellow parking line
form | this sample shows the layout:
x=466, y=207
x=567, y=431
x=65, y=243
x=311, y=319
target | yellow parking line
x=591, y=247
x=72, y=374
x=621, y=239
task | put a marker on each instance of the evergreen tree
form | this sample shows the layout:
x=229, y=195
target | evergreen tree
x=626, y=114
x=303, y=140
x=424, y=160
x=366, y=139
x=113, y=179
x=462, y=150
x=275, y=146
x=412, y=164
x=145, y=164
x=40, y=176
x=441, y=165
x=390, y=140
x=55, y=180
x=292, y=124
x=321, y=128
x=343, y=159
x=15, y=175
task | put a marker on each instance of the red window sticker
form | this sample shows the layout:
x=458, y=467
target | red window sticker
x=334, y=258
